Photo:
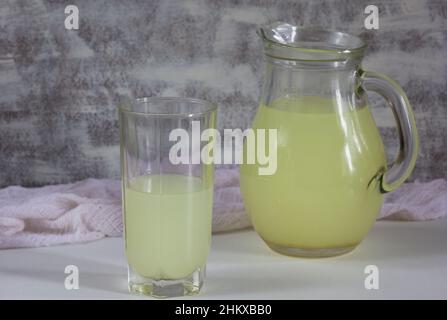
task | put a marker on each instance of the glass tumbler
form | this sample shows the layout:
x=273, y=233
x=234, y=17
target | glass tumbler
x=167, y=193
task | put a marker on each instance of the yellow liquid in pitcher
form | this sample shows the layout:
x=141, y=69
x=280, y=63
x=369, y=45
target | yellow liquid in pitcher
x=167, y=225
x=323, y=194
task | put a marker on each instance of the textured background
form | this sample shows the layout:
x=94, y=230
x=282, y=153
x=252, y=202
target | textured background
x=59, y=88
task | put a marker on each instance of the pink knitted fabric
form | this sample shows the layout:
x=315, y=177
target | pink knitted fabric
x=416, y=201
x=78, y=212
x=91, y=209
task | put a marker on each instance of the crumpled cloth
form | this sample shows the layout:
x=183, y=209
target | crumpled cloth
x=416, y=201
x=91, y=209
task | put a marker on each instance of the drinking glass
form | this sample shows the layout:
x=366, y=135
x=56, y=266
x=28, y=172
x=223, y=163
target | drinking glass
x=167, y=199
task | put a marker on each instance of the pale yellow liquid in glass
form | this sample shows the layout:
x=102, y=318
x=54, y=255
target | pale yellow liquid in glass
x=167, y=225
x=324, y=193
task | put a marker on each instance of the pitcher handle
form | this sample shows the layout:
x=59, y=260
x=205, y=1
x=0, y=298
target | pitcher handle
x=393, y=93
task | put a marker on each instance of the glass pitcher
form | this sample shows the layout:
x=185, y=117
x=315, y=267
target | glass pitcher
x=331, y=170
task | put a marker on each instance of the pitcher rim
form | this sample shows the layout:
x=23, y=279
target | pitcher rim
x=338, y=52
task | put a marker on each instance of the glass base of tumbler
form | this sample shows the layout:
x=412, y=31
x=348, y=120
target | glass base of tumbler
x=311, y=252
x=168, y=288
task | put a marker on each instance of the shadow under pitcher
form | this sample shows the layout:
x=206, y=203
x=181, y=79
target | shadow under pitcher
x=331, y=172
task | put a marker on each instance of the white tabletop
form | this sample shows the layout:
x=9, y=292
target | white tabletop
x=411, y=258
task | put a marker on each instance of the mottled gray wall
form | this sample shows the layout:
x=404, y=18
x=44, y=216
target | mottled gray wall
x=59, y=89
